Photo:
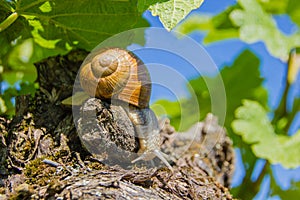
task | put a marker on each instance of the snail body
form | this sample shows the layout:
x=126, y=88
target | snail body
x=148, y=130
x=118, y=74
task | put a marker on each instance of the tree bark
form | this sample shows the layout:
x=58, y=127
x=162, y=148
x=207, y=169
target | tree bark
x=42, y=156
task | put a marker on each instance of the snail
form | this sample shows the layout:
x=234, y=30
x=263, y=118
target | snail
x=117, y=74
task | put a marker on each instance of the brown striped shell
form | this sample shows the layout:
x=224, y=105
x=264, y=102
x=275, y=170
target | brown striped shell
x=117, y=74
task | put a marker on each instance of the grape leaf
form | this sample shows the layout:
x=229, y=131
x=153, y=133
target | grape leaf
x=173, y=11
x=274, y=6
x=244, y=70
x=11, y=35
x=80, y=23
x=293, y=7
x=250, y=22
x=290, y=7
x=241, y=80
x=218, y=27
x=257, y=25
x=57, y=26
x=253, y=125
x=46, y=28
x=144, y=4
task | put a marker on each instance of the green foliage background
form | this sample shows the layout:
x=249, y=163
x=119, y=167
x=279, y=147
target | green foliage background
x=34, y=30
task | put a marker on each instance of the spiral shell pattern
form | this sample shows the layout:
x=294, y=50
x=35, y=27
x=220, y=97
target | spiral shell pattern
x=117, y=74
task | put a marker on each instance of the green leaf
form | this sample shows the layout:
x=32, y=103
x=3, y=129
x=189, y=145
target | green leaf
x=253, y=125
x=79, y=23
x=241, y=80
x=7, y=96
x=21, y=69
x=27, y=88
x=218, y=27
x=206, y=23
x=173, y=11
x=250, y=22
x=293, y=8
x=3, y=107
x=183, y=113
x=76, y=99
x=46, y=28
x=19, y=30
x=257, y=25
x=218, y=35
x=144, y=4
x=274, y=6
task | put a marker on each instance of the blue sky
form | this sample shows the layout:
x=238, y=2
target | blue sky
x=169, y=58
x=272, y=70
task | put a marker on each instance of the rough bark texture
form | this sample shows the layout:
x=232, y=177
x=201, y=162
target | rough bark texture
x=41, y=155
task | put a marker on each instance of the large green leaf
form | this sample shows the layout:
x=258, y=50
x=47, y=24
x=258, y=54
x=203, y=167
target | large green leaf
x=257, y=25
x=54, y=27
x=251, y=23
x=58, y=25
x=173, y=11
x=76, y=22
x=241, y=80
x=253, y=125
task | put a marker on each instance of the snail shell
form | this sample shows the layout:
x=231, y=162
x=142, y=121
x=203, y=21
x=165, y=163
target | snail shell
x=117, y=74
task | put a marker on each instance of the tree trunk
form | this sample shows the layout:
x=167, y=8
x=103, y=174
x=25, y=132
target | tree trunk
x=42, y=156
